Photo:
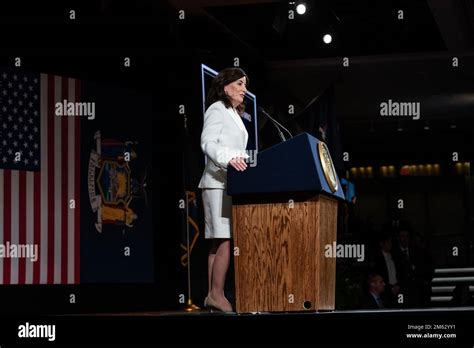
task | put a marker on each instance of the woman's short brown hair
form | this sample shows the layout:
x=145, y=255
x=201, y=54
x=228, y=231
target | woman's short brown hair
x=216, y=92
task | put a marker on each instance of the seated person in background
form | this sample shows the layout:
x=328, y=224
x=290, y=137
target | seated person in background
x=462, y=296
x=373, y=296
x=415, y=269
x=387, y=266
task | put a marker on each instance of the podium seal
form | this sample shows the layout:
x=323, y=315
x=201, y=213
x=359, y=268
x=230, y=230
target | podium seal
x=328, y=166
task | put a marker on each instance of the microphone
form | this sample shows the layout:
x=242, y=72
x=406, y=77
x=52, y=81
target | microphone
x=276, y=124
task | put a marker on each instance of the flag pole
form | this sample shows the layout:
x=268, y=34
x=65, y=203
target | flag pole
x=190, y=306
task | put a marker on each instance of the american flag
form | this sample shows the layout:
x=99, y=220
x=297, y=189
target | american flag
x=39, y=178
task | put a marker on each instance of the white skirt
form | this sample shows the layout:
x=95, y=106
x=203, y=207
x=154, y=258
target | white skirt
x=217, y=213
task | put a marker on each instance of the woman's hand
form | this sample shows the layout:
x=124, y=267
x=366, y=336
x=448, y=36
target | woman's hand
x=238, y=163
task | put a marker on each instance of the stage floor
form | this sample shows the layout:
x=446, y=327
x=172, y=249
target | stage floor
x=452, y=325
x=205, y=312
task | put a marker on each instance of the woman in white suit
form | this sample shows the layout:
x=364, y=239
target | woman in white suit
x=223, y=141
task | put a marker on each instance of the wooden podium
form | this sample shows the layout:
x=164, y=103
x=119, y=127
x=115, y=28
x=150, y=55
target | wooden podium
x=283, y=217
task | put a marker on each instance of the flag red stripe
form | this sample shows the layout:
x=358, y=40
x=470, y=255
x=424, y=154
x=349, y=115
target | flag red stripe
x=77, y=190
x=37, y=225
x=64, y=186
x=7, y=225
x=50, y=169
x=32, y=209
x=22, y=223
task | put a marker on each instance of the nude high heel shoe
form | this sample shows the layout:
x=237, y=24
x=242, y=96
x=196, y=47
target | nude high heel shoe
x=227, y=308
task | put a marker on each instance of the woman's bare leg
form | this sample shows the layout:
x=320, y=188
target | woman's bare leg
x=220, y=263
x=210, y=264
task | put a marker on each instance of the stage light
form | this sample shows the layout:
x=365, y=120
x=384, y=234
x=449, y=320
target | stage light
x=301, y=8
x=429, y=169
x=405, y=170
x=421, y=169
x=400, y=128
x=370, y=172
x=354, y=172
x=327, y=38
x=391, y=170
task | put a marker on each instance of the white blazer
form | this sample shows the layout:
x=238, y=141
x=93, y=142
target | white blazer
x=223, y=137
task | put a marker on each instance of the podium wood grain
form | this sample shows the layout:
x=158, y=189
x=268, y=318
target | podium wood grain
x=279, y=261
